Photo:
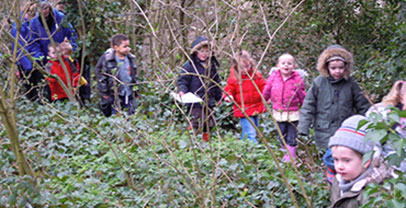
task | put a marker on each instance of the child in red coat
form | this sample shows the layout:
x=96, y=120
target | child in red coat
x=244, y=87
x=56, y=68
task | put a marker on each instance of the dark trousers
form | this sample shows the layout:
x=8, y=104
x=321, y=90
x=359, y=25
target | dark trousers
x=202, y=118
x=289, y=132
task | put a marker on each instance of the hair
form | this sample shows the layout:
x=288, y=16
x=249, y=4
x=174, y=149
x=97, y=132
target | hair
x=395, y=94
x=45, y=4
x=287, y=54
x=27, y=8
x=116, y=40
x=237, y=63
x=66, y=47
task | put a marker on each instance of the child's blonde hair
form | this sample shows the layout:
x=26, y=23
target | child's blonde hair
x=396, y=94
x=237, y=63
x=66, y=47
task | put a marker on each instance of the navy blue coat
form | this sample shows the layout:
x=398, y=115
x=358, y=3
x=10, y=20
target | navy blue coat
x=190, y=81
x=60, y=29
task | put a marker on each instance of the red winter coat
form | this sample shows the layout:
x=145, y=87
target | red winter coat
x=56, y=68
x=252, y=100
x=285, y=95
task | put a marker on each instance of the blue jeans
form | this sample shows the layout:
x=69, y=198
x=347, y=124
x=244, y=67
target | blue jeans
x=249, y=130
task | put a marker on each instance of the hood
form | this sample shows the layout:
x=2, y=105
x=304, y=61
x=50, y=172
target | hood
x=198, y=43
x=335, y=52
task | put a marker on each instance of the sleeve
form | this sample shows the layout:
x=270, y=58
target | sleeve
x=184, y=80
x=34, y=41
x=230, y=88
x=301, y=92
x=261, y=84
x=102, y=78
x=267, y=92
x=217, y=90
x=361, y=104
x=308, y=110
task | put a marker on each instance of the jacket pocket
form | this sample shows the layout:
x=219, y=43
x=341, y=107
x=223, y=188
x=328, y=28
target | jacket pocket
x=322, y=124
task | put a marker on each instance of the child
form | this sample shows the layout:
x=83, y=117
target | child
x=395, y=98
x=56, y=68
x=333, y=97
x=348, y=145
x=199, y=76
x=285, y=89
x=116, y=77
x=242, y=88
x=67, y=51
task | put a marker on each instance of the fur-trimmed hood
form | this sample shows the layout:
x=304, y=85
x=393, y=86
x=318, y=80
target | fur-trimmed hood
x=199, y=42
x=335, y=52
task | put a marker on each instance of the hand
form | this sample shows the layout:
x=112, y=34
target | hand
x=228, y=99
x=268, y=101
x=181, y=94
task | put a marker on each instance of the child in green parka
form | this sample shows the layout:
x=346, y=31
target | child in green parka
x=333, y=97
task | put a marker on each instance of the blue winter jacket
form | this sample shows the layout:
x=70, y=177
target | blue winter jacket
x=23, y=39
x=60, y=29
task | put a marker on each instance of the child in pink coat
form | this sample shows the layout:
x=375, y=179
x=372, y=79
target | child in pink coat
x=285, y=89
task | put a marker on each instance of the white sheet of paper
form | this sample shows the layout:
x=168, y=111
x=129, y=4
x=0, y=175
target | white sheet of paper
x=186, y=98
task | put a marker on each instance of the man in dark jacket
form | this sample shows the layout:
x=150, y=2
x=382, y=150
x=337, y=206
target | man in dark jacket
x=116, y=77
x=199, y=76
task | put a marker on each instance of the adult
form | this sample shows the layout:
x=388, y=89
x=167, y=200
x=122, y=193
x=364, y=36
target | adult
x=58, y=29
x=23, y=62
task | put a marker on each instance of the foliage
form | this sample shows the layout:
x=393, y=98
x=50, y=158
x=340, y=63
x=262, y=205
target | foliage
x=150, y=159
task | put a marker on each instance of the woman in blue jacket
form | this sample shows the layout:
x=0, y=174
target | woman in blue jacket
x=23, y=62
x=59, y=29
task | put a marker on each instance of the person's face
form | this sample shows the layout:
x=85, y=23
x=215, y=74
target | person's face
x=336, y=69
x=203, y=53
x=286, y=64
x=46, y=11
x=60, y=6
x=52, y=53
x=31, y=12
x=246, y=65
x=347, y=162
x=123, y=49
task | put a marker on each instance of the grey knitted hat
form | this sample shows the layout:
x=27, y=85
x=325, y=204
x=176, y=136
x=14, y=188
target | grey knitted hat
x=350, y=136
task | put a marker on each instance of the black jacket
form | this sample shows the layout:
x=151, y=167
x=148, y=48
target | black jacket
x=106, y=68
x=191, y=81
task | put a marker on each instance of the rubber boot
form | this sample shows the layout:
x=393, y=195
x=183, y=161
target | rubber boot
x=292, y=151
x=206, y=137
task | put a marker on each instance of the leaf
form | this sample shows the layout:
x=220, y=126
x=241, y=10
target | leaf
x=376, y=135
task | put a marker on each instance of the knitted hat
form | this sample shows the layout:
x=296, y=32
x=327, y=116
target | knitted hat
x=199, y=42
x=349, y=135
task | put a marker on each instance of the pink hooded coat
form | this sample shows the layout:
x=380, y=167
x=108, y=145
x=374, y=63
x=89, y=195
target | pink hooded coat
x=285, y=95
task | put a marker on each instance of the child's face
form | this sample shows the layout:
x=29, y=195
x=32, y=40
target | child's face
x=123, y=49
x=336, y=69
x=286, y=64
x=246, y=65
x=203, y=53
x=347, y=162
x=52, y=53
